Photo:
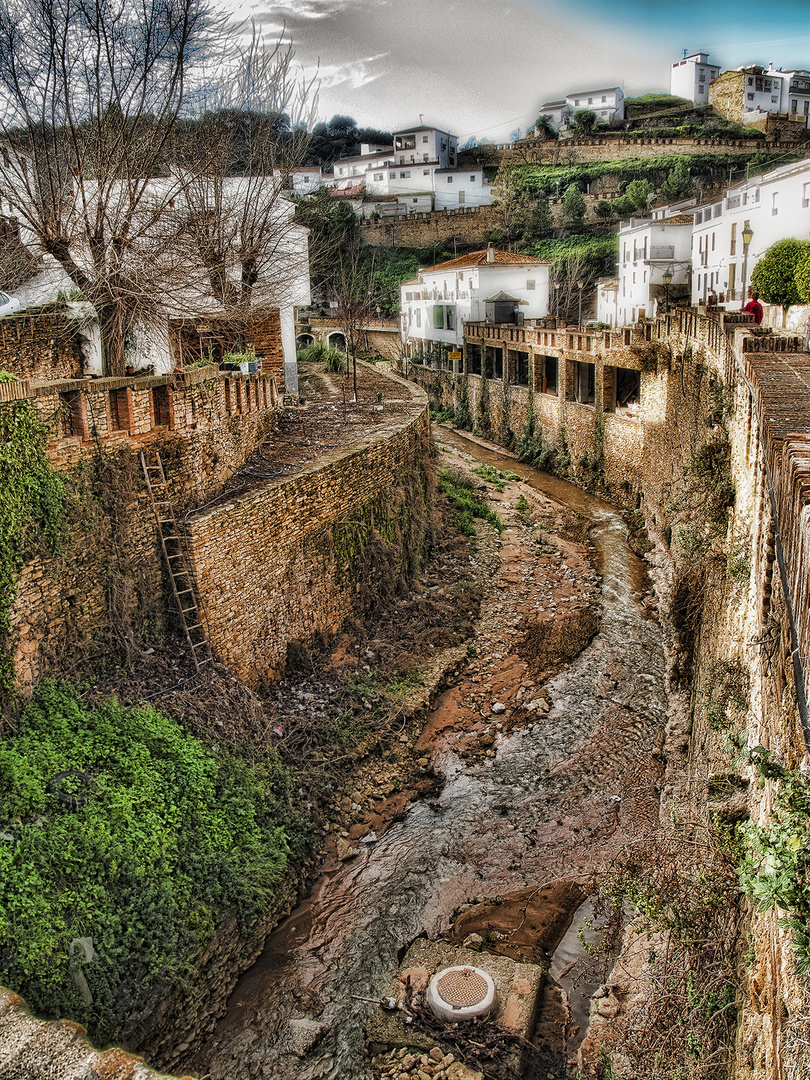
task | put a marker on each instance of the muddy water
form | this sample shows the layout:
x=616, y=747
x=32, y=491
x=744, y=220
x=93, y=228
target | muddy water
x=556, y=799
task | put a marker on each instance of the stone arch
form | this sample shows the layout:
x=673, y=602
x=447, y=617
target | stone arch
x=337, y=340
x=303, y=340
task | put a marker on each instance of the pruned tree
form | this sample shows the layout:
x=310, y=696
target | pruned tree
x=236, y=222
x=98, y=168
x=91, y=93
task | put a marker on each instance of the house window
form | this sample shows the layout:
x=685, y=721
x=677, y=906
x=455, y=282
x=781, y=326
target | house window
x=425, y=157
x=530, y=284
x=392, y=175
x=774, y=207
x=425, y=172
x=424, y=138
x=576, y=102
x=461, y=196
x=472, y=179
x=418, y=318
x=604, y=98
x=450, y=313
x=449, y=179
x=590, y=101
x=806, y=195
x=750, y=97
x=750, y=82
x=732, y=249
x=405, y=175
x=546, y=373
x=379, y=176
x=793, y=106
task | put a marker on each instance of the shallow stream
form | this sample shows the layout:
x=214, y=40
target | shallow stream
x=556, y=799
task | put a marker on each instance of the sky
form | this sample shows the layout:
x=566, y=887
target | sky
x=483, y=68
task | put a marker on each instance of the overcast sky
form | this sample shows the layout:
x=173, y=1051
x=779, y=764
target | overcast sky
x=484, y=67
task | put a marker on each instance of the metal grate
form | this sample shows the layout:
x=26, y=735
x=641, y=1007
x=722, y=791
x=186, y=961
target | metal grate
x=462, y=989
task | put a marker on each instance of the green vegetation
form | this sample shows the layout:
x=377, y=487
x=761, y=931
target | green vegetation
x=802, y=277
x=32, y=508
x=318, y=352
x=710, y=166
x=7, y=377
x=467, y=503
x=494, y=476
x=775, y=275
x=120, y=827
x=775, y=870
x=592, y=256
x=682, y=885
x=573, y=206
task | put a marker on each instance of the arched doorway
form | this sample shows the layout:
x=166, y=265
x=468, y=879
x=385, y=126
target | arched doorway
x=336, y=341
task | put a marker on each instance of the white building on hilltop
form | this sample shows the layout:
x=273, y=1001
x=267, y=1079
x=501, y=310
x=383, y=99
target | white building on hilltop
x=608, y=104
x=482, y=286
x=691, y=77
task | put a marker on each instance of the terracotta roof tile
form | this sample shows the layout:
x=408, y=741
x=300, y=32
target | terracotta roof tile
x=479, y=258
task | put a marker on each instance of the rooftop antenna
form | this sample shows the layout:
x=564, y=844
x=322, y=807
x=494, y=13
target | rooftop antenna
x=420, y=119
x=685, y=53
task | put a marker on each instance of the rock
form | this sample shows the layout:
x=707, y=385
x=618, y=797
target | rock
x=435, y=1054
x=472, y=941
x=498, y=707
x=369, y=838
x=345, y=850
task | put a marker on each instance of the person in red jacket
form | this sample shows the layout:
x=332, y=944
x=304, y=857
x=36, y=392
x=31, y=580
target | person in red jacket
x=753, y=307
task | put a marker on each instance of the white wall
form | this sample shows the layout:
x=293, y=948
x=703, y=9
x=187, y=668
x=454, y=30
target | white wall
x=691, y=77
x=464, y=289
x=776, y=206
x=647, y=249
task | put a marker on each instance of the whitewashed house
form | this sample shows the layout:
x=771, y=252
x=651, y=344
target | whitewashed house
x=607, y=103
x=422, y=162
x=485, y=284
x=691, y=77
x=771, y=207
x=654, y=267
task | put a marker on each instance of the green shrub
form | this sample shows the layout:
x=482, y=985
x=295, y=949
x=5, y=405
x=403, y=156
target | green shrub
x=319, y=352
x=142, y=846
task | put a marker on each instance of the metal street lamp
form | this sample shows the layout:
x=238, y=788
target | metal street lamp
x=580, y=286
x=747, y=236
x=667, y=279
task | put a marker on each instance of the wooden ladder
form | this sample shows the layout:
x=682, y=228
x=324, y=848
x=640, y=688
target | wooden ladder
x=177, y=561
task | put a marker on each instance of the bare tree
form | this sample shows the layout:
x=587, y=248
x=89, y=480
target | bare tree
x=240, y=158
x=351, y=291
x=91, y=91
x=98, y=167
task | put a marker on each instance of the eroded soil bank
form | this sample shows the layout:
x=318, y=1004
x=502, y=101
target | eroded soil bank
x=537, y=760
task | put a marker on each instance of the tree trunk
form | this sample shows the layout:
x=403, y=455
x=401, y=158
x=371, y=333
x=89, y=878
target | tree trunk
x=112, y=324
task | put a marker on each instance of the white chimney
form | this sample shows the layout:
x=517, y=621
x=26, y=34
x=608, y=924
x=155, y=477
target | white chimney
x=490, y=253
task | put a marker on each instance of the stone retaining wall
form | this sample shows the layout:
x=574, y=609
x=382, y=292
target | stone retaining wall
x=108, y=576
x=46, y=346
x=266, y=563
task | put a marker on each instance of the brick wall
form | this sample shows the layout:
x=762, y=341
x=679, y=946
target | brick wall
x=40, y=347
x=197, y=339
x=266, y=562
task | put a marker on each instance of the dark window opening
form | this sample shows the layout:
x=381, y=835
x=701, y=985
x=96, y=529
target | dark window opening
x=582, y=382
x=628, y=391
x=161, y=407
x=120, y=417
x=547, y=375
x=522, y=369
x=474, y=359
x=71, y=415
x=497, y=363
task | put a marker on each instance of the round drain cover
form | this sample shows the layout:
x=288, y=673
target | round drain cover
x=460, y=993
